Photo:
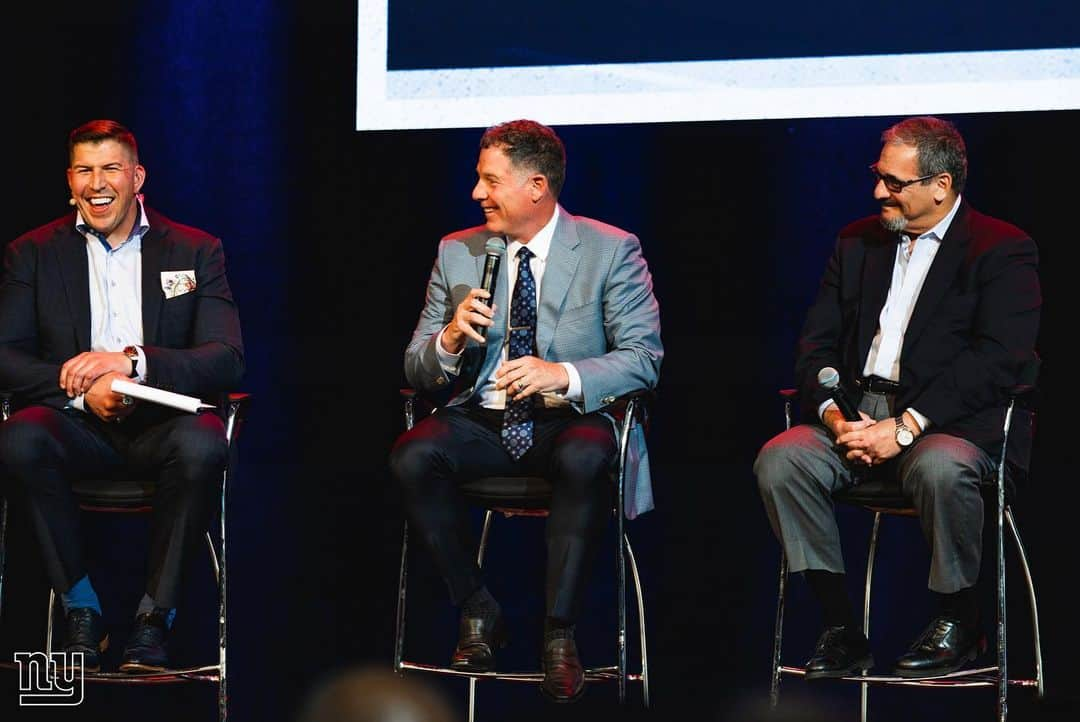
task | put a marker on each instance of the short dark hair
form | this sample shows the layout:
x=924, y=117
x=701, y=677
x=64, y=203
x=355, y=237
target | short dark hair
x=96, y=131
x=939, y=147
x=530, y=146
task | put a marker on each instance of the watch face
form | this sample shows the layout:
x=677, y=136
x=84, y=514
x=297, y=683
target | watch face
x=904, y=437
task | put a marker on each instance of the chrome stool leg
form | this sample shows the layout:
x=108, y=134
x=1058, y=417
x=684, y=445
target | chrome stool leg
x=488, y=516
x=49, y=624
x=3, y=549
x=399, y=627
x=774, y=688
x=864, y=688
x=641, y=622
x=1040, y=690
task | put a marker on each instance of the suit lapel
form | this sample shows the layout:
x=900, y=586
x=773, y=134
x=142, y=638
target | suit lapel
x=939, y=278
x=877, y=277
x=75, y=271
x=154, y=257
x=562, y=263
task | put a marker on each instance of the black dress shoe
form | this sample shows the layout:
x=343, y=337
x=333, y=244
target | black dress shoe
x=945, y=646
x=840, y=652
x=86, y=634
x=478, y=637
x=564, y=677
x=147, y=649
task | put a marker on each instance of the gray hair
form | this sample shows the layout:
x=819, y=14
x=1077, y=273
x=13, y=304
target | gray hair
x=938, y=145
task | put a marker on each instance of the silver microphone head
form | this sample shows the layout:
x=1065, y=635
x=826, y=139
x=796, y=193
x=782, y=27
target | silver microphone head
x=495, y=245
x=828, y=377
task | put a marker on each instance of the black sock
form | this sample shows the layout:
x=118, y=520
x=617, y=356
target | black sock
x=480, y=604
x=962, y=606
x=831, y=592
x=555, y=628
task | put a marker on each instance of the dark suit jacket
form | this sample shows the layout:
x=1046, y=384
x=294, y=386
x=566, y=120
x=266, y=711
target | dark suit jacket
x=192, y=341
x=973, y=326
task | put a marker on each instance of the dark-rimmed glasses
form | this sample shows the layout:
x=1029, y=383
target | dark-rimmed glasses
x=894, y=184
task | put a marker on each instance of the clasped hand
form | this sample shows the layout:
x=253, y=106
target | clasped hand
x=90, y=374
x=865, y=441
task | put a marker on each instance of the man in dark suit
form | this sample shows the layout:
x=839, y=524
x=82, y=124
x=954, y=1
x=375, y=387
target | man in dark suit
x=929, y=309
x=575, y=308
x=114, y=291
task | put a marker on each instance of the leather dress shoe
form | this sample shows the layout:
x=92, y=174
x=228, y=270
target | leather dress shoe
x=564, y=677
x=147, y=649
x=478, y=637
x=86, y=634
x=840, y=652
x=945, y=646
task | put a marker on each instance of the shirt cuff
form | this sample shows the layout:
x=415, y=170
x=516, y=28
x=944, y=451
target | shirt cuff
x=824, y=407
x=78, y=403
x=919, y=418
x=573, y=390
x=140, y=366
x=450, y=362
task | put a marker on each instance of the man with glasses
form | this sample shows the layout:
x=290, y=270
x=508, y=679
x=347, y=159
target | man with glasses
x=928, y=310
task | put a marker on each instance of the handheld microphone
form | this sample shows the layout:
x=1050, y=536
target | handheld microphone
x=829, y=378
x=495, y=248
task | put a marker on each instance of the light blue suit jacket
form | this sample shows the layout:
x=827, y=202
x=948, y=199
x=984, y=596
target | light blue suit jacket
x=596, y=310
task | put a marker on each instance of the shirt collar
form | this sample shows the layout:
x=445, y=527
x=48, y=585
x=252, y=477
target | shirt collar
x=938, y=231
x=540, y=244
x=142, y=225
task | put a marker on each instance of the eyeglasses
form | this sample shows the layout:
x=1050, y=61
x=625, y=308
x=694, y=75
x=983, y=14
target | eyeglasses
x=894, y=184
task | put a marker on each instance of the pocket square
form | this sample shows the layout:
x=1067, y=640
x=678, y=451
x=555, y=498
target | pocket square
x=177, y=283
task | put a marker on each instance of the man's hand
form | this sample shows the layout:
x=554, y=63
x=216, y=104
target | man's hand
x=527, y=375
x=872, y=443
x=105, y=403
x=80, y=372
x=469, y=313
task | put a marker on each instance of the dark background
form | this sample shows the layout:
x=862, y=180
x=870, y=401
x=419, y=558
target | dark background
x=245, y=115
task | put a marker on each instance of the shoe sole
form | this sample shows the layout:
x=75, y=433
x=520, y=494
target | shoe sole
x=858, y=667
x=938, y=671
x=563, y=700
x=139, y=667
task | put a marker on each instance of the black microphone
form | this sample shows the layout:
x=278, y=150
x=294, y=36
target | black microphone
x=829, y=378
x=495, y=248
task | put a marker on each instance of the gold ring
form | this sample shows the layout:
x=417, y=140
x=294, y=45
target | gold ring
x=520, y=385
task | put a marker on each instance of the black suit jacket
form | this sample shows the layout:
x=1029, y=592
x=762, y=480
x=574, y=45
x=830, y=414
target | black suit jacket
x=973, y=326
x=192, y=341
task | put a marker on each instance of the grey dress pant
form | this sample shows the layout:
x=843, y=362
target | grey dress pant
x=798, y=470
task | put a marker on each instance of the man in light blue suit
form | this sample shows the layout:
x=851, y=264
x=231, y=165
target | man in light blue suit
x=572, y=325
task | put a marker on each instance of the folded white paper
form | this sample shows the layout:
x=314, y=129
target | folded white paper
x=159, y=396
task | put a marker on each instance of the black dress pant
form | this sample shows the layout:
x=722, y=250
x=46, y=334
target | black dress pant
x=43, y=449
x=574, y=452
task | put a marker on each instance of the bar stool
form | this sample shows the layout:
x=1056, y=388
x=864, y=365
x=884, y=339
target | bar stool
x=135, y=495
x=530, y=497
x=884, y=499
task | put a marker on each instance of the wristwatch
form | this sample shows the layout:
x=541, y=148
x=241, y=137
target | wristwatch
x=904, y=435
x=132, y=353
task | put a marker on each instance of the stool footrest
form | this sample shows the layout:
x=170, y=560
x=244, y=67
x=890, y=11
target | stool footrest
x=594, y=674
x=979, y=677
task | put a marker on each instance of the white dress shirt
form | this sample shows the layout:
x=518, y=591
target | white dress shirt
x=115, y=293
x=912, y=264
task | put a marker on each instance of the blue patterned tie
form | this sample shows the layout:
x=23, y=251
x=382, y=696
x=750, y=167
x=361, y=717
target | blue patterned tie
x=517, y=430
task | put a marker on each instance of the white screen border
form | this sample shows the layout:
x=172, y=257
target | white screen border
x=842, y=86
